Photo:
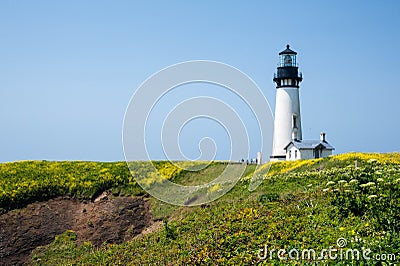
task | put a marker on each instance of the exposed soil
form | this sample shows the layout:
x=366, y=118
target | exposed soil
x=107, y=219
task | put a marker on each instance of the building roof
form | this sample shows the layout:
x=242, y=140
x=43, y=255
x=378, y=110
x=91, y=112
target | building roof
x=310, y=144
x=287, y=51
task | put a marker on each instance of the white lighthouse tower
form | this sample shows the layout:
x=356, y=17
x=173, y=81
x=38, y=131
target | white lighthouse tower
x=287, y=106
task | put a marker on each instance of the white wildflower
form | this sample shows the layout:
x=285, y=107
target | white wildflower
x=369, y=184
x=330, y=183
x=353, y=181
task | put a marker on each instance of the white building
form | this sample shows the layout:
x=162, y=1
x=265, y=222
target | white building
x=288, y=143
x=308, y=149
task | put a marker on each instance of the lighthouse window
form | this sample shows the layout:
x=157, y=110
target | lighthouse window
x=288, y=60
x=294, y=121
x=295, y=154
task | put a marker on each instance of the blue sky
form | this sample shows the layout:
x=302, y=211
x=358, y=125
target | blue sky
x=69, y=68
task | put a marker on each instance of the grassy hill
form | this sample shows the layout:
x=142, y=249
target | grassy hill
x=300, y=205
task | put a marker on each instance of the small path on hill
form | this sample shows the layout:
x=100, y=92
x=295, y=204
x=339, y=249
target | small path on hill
x=107, y=219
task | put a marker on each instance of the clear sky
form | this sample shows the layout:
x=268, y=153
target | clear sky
x=69, y=68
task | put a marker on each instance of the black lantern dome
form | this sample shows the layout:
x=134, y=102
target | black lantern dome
x=287, y=73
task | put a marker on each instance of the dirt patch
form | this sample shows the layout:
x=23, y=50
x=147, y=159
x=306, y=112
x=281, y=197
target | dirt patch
x=107, y=219
x=156, y=226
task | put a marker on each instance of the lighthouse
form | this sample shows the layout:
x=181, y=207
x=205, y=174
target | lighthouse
x=287, y=125
x=288, y=140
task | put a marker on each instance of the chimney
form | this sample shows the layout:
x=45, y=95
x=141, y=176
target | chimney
x=322, y=137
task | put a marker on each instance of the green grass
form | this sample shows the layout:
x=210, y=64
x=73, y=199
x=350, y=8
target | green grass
x=29, y=181
x=303, y=204
x=162, y=210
